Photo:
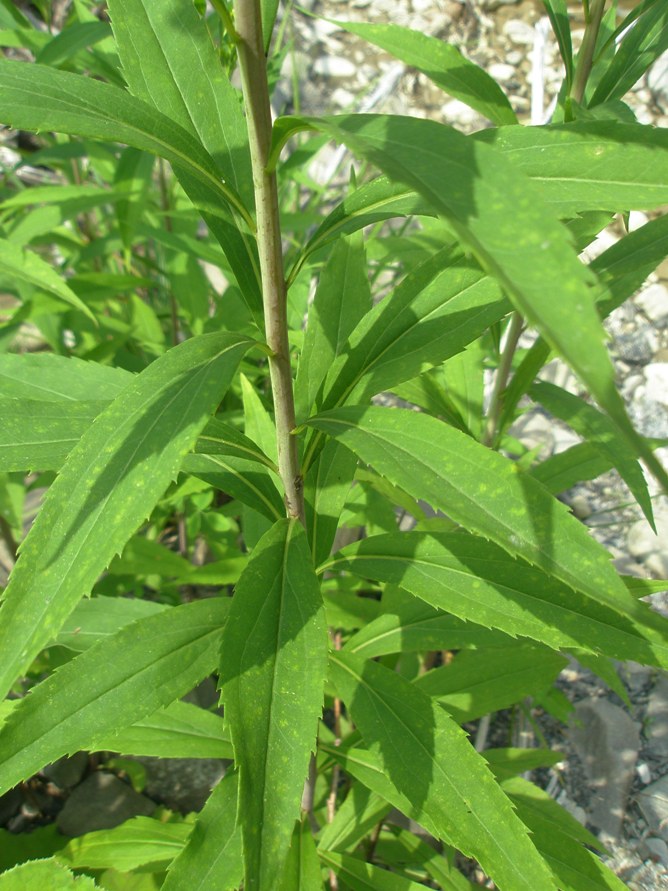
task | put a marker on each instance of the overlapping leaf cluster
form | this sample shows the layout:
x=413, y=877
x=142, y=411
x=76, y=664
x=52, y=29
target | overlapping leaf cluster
x=132, y=434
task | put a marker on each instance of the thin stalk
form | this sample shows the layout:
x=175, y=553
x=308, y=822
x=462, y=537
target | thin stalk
x=501, y=379
x=594, y=16
x=253, y=67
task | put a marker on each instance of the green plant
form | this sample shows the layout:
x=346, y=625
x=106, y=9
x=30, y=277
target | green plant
x=161, y=410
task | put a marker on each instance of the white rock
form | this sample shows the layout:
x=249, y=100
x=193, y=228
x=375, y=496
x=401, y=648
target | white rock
x=519, y=32
x=459, y=112
x=343, y=98
x=501, y=72
x=421, y=5
x=491, y=5
x=334, y=66
x=657, y=77
x=656, y=386
x=642, y=541
x=653, y=301
x=637, y=219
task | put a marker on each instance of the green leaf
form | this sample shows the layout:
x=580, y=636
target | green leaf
x=133, y=176
x=360, y=812
x=37, y=875
x=176, y=69
x=428, y=759
x=444, y=64
x=71, y=40
x=501, y=218
x=26, y=266
x=477, y=488
x=181, y=730
x=269, y=12
x=302, y=868
x=563, y=470
x=637, y=50
x=112, y=479
x=145, y=666
x=272, y=675
x=372, y=202
x=100, y=617
x=51, y=378
x=220, y=438
x=510, y=762
x=413, y=627
x=589, y=165
x=247, y=481
x=476, y=581
x=557, y=12
x=441, y=306
x=558, y=836
x=35, y=97
x=478, y=682
x=137, y=842
x=212, y=856
x=40, y=435
x=437, y=866
x=598, y=431
x=342, y=298
x=362, y=876
x=326, y=488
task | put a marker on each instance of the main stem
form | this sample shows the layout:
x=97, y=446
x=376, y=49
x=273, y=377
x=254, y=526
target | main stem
x=586, y=55
x=253, y=67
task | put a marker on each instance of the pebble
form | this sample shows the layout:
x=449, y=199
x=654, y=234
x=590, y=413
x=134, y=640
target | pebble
x=642, y=542
x=657, y=76
x=502, y=72
x=343, y=98
x=653, y=802
x=519, y=32
x=638, y=347
x=657, y=718
x=656, y=387
x=334, y=66
x=456, y=111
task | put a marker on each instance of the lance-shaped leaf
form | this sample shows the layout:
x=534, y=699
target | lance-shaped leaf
x=110, y=483
x=565, y=469
x=342, y=299
x=557, y=12
x=40, y=435
x=478, y=682
x=51, y=378
x=561, y=840
x=44, y=874
x=428, y=759
x=414, y=626
x=500, y=216
x=273, y=662
x=598, y=431
x=212, y=857
x=97, y=618
x=589, y=165
x=143, y=667
x=34, y=97
x=176, y=69
x=380, y=199
x=26, y=266
x=476, y=581
x=326, y=488
x=247, y=481
x=141, y=841
x=477, y=488
x=443, y=64
x=302, y=868
x=359, y=813
x=181, y=730
x=362, y=876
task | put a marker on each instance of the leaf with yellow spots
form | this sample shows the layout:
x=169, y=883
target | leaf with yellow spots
x=273, y=663
x=109, y=484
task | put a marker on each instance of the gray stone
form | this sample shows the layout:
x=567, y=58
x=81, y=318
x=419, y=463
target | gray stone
x=649, y=417
x=653, y=301
x=653, y=802
x=182, y=784
x=607, y=741
x=636, y=347
x=656, y=728
x=658, y=849
x=635, y=676
x=67, y=772
x=102, y=801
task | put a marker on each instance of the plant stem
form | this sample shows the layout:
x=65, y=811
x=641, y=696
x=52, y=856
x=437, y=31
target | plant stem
x=253, y=67
x=586, y=54
x=501, y=379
